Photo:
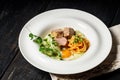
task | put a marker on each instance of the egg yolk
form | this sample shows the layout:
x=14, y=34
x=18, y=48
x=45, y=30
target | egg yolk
x=66, y=53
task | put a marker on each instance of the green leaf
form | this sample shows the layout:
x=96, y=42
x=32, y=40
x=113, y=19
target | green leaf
x=49, y=35
x=38, y=40
x=42, y=48
x=80, y=39
x=31, y=36
x=45, y=46
x=54, y=43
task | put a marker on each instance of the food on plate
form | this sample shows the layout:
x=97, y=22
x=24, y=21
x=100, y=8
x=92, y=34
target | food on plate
x=62, y=44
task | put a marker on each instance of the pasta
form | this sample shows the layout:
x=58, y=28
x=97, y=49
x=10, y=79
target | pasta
x=79, y=47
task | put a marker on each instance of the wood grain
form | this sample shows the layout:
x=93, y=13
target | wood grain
x=13, y=16
x=116, y=19
x=20, y=69
x=103, y=9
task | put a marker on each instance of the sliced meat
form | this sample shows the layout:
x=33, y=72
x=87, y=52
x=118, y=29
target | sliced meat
x=57, y=33
x=68, y=32
x=61, y=41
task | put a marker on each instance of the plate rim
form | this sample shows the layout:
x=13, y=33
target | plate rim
x=58, y=10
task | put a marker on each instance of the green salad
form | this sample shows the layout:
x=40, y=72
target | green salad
x=47, y=46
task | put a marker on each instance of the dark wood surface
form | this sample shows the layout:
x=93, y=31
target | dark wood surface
x=13, y=16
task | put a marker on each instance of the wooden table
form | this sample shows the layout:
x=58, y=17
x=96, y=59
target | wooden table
x=14, y=14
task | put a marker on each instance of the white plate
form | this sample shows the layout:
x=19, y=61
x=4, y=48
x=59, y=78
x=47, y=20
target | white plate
x=94, y=29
